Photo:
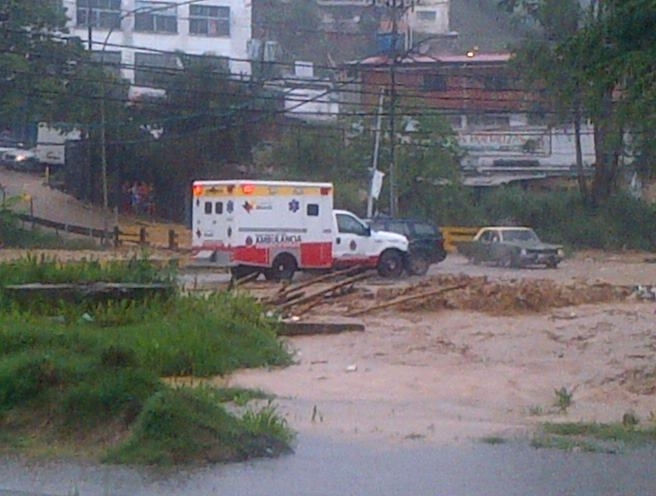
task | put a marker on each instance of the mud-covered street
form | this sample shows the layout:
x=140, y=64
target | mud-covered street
x=483, y=358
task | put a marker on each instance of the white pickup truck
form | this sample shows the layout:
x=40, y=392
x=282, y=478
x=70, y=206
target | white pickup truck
x=279, y=227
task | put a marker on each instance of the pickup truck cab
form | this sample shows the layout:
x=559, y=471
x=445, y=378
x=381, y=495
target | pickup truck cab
x=279, y=227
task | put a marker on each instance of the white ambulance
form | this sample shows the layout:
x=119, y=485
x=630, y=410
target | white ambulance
x=279, y=227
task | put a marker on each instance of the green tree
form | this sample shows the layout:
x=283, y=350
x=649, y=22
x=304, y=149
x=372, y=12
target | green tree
x=35, y=59
x=426, y=157
x=601, y=66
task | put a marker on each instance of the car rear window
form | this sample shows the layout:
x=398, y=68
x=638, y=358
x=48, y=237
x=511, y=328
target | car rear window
x=398, y=227
x=425, y=229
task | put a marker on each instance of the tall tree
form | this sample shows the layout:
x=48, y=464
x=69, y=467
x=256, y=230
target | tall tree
x=609, y=62
x=542, y=63
x=34, y=58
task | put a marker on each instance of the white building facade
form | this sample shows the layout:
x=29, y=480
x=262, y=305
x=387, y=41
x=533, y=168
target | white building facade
x=141, y=37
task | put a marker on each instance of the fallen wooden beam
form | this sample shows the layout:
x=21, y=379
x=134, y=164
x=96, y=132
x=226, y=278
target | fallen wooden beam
x=314, y=328
x=234, y=282
x=404, y=299
x=323, y=292
x=325, y=277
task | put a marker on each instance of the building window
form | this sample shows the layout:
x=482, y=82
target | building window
x=498, y=83
x=209, y=20
x=154, y=69
x=99, y=13
x=214, y=63
x=156, y=17
x=484, y=121
x=110, y=61
x=434, y=82
x=426, y=15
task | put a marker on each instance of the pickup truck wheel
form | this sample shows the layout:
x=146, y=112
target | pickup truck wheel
x=282, y=269
x=390, y=264
x=417, y=264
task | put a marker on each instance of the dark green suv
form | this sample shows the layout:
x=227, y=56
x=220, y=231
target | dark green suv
x=426, y=241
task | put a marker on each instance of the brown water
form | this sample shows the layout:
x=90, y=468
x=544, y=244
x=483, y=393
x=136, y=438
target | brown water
x=324, y=468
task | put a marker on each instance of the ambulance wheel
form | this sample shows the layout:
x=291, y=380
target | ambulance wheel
x=282, y=269
x=390, y=264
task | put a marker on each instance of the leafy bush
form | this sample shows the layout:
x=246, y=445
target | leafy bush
x=102, y=367
x=183, y=425
x=558, y=216
x=108, y=393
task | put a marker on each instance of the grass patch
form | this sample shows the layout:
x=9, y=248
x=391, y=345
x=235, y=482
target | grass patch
x=74, y=376
x=183, y=425
x=494, y=440
x=593, y=437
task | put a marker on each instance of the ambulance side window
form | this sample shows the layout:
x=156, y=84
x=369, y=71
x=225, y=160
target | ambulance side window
x=218, y=208
x=208, y=207
x=313, y=210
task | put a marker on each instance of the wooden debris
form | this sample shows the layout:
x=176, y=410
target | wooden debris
x=234, y=283
x=325, y=277
x=403, y=299
x=323, y=292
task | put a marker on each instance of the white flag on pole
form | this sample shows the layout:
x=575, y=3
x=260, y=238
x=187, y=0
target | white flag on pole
x=376, y=183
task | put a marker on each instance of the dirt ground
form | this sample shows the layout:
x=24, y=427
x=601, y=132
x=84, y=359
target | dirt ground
x=481, y=360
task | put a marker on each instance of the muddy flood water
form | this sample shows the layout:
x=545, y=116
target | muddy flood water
x=324, y=467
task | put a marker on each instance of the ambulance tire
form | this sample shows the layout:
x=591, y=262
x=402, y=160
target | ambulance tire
x=282, y=269
x=390, y=264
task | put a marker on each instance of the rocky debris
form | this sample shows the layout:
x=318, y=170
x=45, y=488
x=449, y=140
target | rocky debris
x=462, y=292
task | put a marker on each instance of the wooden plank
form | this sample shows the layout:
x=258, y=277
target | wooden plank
x=404, y=299
x=325, y=277
x=318, y=294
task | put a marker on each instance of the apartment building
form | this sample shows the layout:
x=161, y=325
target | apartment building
x=139, y=38
x=425, y=16
x=506, y=130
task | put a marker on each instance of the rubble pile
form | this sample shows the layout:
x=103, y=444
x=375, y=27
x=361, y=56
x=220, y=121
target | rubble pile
x=499, y=297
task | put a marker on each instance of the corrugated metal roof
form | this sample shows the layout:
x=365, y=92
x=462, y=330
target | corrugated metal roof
x=412, y=59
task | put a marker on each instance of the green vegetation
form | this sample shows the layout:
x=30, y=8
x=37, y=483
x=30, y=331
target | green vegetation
x=72, y=376
x=557, y=216
x=563, y=398
x=593, y=437
x=494, y=440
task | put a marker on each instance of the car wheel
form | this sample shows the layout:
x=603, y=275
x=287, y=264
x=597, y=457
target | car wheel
x=417, y=264
x=390, y=264
x=509, y=261
x=282, y=269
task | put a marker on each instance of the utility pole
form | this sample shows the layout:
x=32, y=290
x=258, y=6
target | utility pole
x=394, y=197
x=374, y=184
x=89, y=29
